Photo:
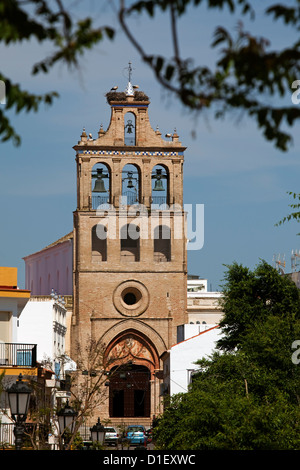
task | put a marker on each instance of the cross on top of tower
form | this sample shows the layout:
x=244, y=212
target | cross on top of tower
x=129, y=89
x=129, y=71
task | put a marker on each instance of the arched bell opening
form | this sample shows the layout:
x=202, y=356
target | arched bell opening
x=129, y=129
x=160, y=187
x=130, y=185
x=100, y=185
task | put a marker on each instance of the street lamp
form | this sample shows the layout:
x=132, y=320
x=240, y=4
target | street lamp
x=18, y=398
x=98, y=433
x=66, y=419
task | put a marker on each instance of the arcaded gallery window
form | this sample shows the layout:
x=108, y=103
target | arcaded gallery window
x=99, y=243
x=162, y=243
x=130, y=243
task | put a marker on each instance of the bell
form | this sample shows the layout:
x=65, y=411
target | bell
x=130, y=184
x=99, y=186
x=129, y=126
x=158, y=186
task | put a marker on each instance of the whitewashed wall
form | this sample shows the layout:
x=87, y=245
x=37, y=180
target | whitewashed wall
x=183, y=356
x=43, y=322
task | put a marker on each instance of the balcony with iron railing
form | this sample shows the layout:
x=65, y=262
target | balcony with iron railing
x=159, y=202
x=18, y=355
x=99, y=201
x=128, y=199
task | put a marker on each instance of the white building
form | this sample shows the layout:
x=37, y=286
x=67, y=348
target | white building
x=197, y=342
x=203, y=306
x=43, y=322
x=51, y=268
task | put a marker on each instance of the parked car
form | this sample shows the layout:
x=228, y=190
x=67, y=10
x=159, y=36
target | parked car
x=149, y=435
x=111, y=437
x=136, y=434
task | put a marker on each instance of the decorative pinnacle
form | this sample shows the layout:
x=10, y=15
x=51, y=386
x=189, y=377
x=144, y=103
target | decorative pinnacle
x=129, y=89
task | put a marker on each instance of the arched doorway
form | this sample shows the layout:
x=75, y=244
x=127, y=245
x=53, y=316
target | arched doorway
x=133, y=360
x=129, y=391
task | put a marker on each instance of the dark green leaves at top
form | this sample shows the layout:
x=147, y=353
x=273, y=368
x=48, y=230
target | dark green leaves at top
x=16, y=24
x=290, y=15
x=181, y=6
x=20, y=100
x=249, y=76
x=75, y=44
x=45, y=21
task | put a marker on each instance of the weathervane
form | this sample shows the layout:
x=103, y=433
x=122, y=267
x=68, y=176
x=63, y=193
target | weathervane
x=130, y=88
x=129, y=71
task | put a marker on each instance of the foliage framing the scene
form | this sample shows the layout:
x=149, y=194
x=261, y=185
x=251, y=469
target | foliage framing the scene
x=246, y=395
x=249, y=76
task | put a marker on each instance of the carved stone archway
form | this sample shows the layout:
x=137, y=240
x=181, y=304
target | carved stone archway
x=132, y=359
x=149, y=334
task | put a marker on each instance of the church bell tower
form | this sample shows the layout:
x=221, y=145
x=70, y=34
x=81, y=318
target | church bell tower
x=130, y=263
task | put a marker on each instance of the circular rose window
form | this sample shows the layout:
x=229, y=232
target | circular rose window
x=131, y=298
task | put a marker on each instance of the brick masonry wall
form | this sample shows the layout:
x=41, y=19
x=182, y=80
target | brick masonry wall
x=100, y=287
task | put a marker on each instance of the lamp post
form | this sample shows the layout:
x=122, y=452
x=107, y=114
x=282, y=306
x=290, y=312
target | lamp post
x=98, y=433
x=18, y=398
x=66, y=420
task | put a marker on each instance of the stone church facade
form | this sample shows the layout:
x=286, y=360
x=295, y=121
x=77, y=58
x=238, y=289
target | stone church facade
x=129, y=256
x=130, y=261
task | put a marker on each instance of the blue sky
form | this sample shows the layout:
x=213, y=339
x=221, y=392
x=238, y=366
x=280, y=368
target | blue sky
x=241, y=179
